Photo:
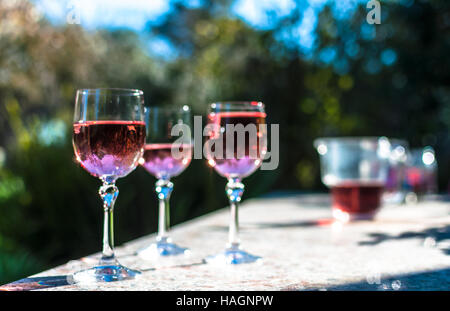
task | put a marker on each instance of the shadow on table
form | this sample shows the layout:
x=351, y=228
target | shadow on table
x=267, y=225
x=304, y=223
x=304, y=199
x=44, y=282
x=187, y=265
x=437, y=280
x=38, y=283
x=432, y=238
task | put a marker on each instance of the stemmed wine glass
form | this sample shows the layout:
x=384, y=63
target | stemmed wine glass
x=108, y=140
x=236, y=147
x=394, y=189
x=167, y=153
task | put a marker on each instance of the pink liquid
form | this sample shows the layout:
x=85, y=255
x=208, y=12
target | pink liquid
x=109, y=148
x=360, y=201
x=159, y=160
x=237, y=166
x=420, y=180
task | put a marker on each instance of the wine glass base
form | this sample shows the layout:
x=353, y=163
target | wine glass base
x=344, y=216
x=105, y=273
x=233, y=256
x=162, y=249
x=397, y=197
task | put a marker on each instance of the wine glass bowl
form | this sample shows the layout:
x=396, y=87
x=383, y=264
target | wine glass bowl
x=108, y=141
x=159, y=161
x=108, y=149
x=238, y=159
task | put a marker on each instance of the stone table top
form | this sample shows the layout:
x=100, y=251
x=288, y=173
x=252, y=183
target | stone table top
x=407, y=247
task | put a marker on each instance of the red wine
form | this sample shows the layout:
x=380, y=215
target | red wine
x=244, y=162
x=357, y=200
x=109, y=148
x=159, y=161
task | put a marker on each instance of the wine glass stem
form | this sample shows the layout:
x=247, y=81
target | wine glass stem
x=108, y=192
x=163, y=188
x=234, y=190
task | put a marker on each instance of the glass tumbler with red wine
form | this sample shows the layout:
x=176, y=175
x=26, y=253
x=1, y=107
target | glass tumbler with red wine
x=167, y=153
x=356, y=170
x=108, y=140
x=236, y=146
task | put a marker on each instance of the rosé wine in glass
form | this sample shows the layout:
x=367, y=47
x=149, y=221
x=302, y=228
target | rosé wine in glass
x=247, y=157
x=108, y=148
x=159, y=160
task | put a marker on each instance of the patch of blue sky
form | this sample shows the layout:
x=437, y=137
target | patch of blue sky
x=110, y=14
x=55, y=11
x=134, y=15
x=306, y=29
x=262, y=14
x=317, y=4
x=192, y=4
x=161, y=47
x=302, y=34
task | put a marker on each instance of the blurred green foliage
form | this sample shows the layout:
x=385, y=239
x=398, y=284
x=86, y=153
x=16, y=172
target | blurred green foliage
x=49, y=207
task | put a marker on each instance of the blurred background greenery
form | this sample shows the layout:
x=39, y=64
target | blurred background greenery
x=319, y=67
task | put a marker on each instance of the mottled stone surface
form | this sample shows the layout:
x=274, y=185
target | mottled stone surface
x=407, y=247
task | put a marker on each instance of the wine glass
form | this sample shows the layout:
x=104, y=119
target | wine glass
x=167, y=153
x=236, y=147
x=356, y=170
x=108, y=140
x=394, y=191
x=421, y=173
